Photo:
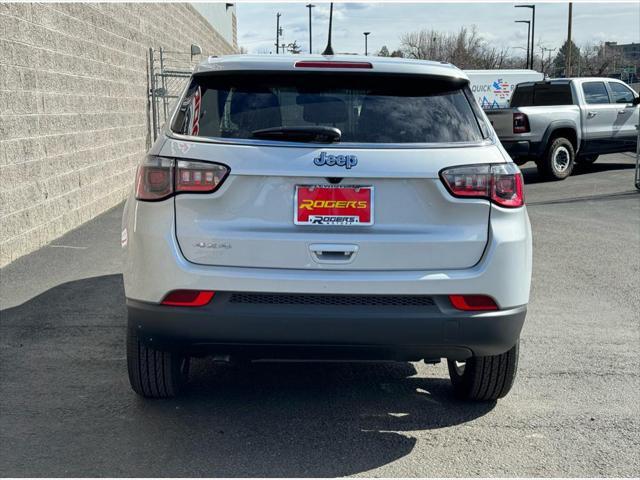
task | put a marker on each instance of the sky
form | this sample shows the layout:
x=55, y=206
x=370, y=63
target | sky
x=592, y=23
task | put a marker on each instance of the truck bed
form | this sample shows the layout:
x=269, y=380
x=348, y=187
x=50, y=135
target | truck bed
x=540, y=118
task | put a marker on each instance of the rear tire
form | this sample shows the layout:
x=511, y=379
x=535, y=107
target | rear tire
x=587, y=159
x=558, y=160
x=484, y=378
x=154, y=373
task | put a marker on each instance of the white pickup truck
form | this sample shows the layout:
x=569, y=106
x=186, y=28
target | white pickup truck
x=557, y=123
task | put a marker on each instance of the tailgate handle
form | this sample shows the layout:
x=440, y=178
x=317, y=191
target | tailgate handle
x=333, y=252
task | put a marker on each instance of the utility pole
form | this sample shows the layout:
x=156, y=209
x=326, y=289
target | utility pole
x=528, y=22
x=366, y=35
x=310, y=6
x=533, y=29
x=567, y=60
x=278, y=32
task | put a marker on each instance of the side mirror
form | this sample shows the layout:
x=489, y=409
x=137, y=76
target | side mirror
x=636, y=101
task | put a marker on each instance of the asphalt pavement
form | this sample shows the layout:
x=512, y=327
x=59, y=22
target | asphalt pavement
x=66, y=408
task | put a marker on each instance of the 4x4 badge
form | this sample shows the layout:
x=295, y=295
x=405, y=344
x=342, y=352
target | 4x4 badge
x=346, y=161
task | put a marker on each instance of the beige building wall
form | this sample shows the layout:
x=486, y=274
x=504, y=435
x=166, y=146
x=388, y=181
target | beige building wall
x=73, y=108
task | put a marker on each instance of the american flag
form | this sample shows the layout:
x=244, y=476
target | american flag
x=195, y=110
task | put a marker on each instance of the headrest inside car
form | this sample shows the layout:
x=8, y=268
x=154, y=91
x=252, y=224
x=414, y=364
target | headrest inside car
x=323, y=110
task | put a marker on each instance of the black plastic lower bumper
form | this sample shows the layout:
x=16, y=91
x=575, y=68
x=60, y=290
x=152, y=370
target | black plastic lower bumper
x=517, y=149
x=346, y=331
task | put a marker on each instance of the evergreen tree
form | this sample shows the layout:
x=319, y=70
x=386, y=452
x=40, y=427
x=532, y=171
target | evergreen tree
x=384, y=51
x=559, y=63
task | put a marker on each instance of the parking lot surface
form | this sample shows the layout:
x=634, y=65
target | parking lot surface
x=66, y=408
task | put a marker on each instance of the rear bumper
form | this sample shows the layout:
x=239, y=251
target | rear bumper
x=523, y=149
x=336, y=331
x=517, y=149
x=154, y=265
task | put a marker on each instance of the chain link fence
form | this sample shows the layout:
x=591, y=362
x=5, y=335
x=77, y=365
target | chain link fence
x=169, y=72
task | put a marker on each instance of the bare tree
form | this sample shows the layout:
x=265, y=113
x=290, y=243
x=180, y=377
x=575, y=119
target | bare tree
x=599, y=60
x=465, y=49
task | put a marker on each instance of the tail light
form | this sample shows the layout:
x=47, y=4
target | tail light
x=501, y=183
x=520, y=123
x=331, y=64
x=188, y=298
x=159, y=177
x=473, y=302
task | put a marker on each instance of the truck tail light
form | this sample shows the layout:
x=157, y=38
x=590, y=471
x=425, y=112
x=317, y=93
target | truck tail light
x=470, y=303
x=159, y=178
x=501, y=183
x=520, y=123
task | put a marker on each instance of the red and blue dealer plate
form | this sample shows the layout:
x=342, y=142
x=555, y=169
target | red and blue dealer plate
x=333, y=205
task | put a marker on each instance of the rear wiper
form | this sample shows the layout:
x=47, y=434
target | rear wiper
x=317, y=134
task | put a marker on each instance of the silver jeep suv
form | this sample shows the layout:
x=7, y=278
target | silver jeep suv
x=327, y=207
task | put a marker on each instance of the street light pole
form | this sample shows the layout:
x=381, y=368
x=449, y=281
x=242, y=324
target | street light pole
x=310, y=6
x=528, y=22
x=278, y=15
x=533, y=30
x=366, y=35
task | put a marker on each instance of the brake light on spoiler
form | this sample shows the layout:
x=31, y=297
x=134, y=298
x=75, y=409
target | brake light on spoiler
x=331, y=64
x=500, y=183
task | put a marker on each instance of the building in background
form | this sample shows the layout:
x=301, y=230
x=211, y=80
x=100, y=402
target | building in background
x=222, y=17
x=74, y=103
x=628, y=51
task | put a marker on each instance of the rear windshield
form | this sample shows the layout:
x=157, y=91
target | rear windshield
x=366, y=108
x=540, y=95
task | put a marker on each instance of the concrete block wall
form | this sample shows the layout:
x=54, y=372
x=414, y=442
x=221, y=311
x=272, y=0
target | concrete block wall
x=73, y=108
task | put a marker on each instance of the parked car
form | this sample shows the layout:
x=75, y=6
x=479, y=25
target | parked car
x=557, y=123
x=493, y=88
x=341, y=208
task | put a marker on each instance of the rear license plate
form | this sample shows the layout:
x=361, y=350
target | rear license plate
x=333, y=205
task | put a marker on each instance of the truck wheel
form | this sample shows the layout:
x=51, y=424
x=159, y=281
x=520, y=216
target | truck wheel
x=587, y=159
x=154, y=373
x=558, y=161
x=484, y=378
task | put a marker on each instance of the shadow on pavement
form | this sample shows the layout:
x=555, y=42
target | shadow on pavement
x=531, y=176
x=67, y=409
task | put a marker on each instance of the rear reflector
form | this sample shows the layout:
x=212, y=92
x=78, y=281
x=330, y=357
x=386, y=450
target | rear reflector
x=329, y=64
x=472, y=302
x=188, y=298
